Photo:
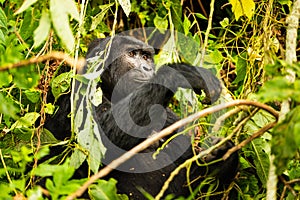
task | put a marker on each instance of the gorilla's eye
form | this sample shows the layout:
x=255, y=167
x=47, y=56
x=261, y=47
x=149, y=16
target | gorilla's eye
x=131, y=53
x=146, y=56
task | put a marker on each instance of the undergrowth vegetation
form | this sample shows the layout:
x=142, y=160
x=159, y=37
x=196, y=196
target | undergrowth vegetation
x=253, y=47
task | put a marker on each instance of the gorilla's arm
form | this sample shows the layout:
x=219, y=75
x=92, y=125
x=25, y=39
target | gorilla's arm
x=130, y=119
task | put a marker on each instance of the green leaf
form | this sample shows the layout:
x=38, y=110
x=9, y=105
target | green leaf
x=99, y=17
x=3, y=19
x=25, y=77
x=242, y=7
x=160, y=23
x=25, y=5
x=104, y=190
x=286, y=139
x=5, y=78
x=96, y=98
x=42, y=31
x=8, y=107
x=27, y=121
x=126, y=6
x=261, y=161
x=241, y=69
x=61, y=84
x=59, y=14
x=200, y=16
x=87, y=139
x=186, y=25
x=279, y=89
x=49, y=108
x=33, y=95
x=71, y=9
x=77, y=158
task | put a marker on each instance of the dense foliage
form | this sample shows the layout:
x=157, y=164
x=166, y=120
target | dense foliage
x=246, y=41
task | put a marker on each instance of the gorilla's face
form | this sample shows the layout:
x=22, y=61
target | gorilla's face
x=130, y=70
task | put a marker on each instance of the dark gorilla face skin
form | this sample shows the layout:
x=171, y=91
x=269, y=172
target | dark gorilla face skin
x=137, y=68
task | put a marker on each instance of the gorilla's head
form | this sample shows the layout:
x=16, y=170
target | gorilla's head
x=128, y=65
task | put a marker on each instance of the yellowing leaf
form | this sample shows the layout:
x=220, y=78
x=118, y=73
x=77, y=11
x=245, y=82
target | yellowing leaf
x=126, y=5
x=242, y=7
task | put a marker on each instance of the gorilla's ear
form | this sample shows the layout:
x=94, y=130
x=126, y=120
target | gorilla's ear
x=93, y=44
x=97, y=46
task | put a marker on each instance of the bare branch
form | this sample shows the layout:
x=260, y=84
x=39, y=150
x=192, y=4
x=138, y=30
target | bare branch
x=53, y=55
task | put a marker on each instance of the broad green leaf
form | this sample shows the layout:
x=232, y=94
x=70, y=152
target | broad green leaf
x=25, y=5
x=104, y=190
x=86, y=138
x=25, y=77
x=33, y=95
x=160, y=23
x=5, y=77
x=27, y=121
x=3, y=19
x=61, y=84
x=71, y=9
x=242, y=7
x=261, y=161
x=77, y=158
x=286, y=140
x=42, y=31
x=99, y=17
x=8, y=107
x=126, y=6
x=49, y=108
x=241, y=69
x=59, y=14
x=279, y=89
x=96, y=98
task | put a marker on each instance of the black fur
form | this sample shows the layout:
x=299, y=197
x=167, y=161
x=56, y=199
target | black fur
x=130, y=113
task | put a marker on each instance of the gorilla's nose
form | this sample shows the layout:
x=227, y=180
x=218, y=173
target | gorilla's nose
x=147, y=68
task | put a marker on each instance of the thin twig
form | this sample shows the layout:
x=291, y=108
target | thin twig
x=246, y=141
x=53, y=55
x=156, y=137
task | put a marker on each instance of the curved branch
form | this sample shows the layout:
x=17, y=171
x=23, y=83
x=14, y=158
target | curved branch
x=157, y=136
x=53, y=55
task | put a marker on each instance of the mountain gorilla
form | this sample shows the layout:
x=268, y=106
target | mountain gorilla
x=134, y=104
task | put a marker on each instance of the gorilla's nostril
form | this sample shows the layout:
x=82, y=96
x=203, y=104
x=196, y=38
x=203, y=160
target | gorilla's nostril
x=147, y=69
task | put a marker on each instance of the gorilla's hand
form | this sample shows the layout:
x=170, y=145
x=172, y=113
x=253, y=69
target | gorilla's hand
x=186, y=76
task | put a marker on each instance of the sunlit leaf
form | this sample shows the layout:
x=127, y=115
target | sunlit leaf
x=25, y=5
x=3, y=19
x=160, y=23
x=8, y=107
x=61, y=84
x=242, y=7
x=126, y=6
x=60, y=19
x=99, y=17
x=286, y=139
x=77, y=158
x=42, y=31
x=5, y=78
x=33, y=95
x=186, y=25
x=104, y=190
x=71, y=8
x=26, y=121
